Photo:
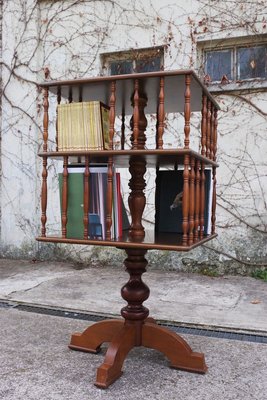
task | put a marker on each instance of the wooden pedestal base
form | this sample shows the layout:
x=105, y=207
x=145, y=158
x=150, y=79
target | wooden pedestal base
x=135, y=330
x=124, y=336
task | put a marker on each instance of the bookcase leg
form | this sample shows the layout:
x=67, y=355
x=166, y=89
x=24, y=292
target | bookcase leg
x=117, y=351
x=91, y=339
x=174, y=347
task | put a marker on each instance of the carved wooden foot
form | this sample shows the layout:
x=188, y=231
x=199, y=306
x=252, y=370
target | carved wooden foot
x=174, y=347
x=117, y=351
x=91, y=339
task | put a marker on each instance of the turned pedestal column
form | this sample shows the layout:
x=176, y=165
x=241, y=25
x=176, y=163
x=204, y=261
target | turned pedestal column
x=135, y=329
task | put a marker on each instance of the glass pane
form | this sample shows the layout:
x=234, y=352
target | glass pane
x=121, y=67
x=148, y=65
x=251, y=62
x=219, y=63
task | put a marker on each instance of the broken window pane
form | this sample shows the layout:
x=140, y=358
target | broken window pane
x=219, y=63
x=251, y=62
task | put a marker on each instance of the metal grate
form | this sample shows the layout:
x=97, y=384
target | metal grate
x=60, y=313
x=4, y=304
x=220, y=334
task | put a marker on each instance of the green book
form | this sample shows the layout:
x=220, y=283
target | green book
x=75, y=215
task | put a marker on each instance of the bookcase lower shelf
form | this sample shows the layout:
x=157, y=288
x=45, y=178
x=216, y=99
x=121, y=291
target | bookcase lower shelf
x=158, y=241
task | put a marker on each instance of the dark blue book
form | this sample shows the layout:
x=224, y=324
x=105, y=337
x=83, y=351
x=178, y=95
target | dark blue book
x=168, y=201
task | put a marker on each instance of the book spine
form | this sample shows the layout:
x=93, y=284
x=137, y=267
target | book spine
x=119, y=207
x=105, y=126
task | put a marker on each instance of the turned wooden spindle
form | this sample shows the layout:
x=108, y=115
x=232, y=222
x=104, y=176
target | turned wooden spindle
x=135, y=115
x=109, y=198
x=86, y=195
x=197, y=201
x=160, y=115
x=204, y=124
x=44, y=197
x=112, y=113
x=45, y=119
x=212, y=122
x=137, y=199
x=64, y=205
x=44, y=170
x=213, y=211
x=185, y=201
x=70, y=98
x=80, y=94
x=215, y=135
x=58, y=102
x=187, y=111
x=123, y=128
x=213, y=208
x=202, y=201
x=138, y=122
x=208, y=128
x=191, y=203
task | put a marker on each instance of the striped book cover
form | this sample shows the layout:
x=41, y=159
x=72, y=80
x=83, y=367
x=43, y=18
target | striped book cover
x=83, y=126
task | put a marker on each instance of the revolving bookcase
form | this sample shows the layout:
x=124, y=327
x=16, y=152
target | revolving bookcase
x=139, y=95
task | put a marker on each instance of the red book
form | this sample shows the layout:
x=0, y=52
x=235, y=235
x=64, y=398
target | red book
x=119, y=197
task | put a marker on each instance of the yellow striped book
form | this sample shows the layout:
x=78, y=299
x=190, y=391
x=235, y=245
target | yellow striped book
x=83, y=126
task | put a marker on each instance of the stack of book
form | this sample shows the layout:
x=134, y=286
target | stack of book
x=83, y=126
x=97, y=203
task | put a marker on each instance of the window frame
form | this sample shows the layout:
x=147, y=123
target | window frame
x=204, y=45
x=235, y=64
x=132, y=55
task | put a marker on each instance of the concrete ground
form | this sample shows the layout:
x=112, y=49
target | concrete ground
x=37, y=364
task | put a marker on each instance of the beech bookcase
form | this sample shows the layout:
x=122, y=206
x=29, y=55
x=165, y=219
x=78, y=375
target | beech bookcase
x=137, y=95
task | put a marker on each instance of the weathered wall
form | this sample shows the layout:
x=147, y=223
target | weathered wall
x=67, y=38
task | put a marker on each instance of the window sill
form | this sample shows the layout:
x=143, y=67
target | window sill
x=237, y=86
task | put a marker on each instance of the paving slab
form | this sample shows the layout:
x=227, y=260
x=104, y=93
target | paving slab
x=231, y=302
x=37, y=364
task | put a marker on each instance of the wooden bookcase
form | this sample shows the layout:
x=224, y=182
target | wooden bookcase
x=157, y=93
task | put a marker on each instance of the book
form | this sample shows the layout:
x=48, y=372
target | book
x=168, y=201
x=97, y=203
x=83, y=126
x=75, y=203
x=168, y=185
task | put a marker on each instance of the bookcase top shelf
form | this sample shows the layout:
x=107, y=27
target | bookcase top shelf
x=121, y=158
x=99, y=88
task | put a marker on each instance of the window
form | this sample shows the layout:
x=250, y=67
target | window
x=132, y=61
x=251, y=62
x=236, y=63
